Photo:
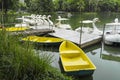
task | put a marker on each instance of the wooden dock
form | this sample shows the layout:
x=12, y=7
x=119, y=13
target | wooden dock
x=83, y=40
x=86, y=39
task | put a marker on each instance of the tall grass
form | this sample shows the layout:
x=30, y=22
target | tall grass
x=20, y=62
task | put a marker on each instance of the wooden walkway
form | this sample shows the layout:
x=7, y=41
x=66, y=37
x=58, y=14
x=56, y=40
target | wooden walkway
x=86, y=39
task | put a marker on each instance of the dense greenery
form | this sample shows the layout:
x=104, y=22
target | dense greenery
x=9, y=4
x=20, y=61
x=37, y=6
x=88, y=5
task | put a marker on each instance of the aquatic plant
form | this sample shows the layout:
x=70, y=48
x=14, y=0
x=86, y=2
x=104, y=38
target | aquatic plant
x=19, y=61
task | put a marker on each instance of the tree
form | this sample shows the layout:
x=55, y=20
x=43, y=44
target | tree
x=9, y=4
x=76, y=5
x=38, y=6
x=106, y=5
x=69, y=5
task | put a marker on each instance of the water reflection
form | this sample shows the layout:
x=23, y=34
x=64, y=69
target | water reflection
x=111, y=53
x=106, y=59
x=105, y=52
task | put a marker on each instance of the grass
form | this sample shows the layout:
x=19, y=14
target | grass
x=20, y=61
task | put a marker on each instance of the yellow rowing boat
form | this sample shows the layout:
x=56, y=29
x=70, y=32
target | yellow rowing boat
x=14, y=28
x=45, y=40
x=74, y=61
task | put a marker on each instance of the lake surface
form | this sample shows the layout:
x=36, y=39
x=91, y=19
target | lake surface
x=107, y=61
x=105, y=58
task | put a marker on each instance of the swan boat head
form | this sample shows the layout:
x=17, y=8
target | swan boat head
x=93, y=30
x=96, y=20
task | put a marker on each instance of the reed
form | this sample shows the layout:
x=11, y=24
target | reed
x=21, y=62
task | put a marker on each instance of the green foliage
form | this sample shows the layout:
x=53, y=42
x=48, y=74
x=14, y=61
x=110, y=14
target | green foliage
x=20, y=61
x=107, y=6
x=9, y=4
x=87, y=5
x=22, y=6
x=69, y=5
x=38, y=6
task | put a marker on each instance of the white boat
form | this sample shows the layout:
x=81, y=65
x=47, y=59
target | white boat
x=26, y=19
x=22, y=25
x=35, y=21
x=112, y=33
x=87, y=29
x=62, y=25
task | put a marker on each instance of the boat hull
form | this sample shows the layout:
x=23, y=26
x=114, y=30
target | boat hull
x=13, y=29
x=110, y=43
x=112, y=33
x=112, y=39
x=44, y=41
x=74, y=61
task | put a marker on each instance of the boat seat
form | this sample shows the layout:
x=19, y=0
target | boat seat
x=69, y=51
x=75, y=62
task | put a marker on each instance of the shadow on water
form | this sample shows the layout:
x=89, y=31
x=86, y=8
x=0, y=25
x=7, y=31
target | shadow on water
x=92, y=48
x=84, y=78
x=47, y=47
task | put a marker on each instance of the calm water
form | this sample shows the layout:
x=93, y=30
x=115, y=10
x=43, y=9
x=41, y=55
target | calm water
x=107, y=61
x=106, y=58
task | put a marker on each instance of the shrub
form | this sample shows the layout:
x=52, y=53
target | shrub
x=20, y=61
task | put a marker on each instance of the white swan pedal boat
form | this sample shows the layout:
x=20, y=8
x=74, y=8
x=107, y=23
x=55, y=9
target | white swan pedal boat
x=112, y=34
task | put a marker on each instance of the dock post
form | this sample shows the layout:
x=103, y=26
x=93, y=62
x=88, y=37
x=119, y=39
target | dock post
x=103, y=33
x=102, y=42
x=80, y=36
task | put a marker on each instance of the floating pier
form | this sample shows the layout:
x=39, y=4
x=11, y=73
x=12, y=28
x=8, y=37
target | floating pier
x=83, y=40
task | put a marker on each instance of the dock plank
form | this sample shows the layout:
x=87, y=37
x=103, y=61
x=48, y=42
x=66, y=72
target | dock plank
x=74, y=36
